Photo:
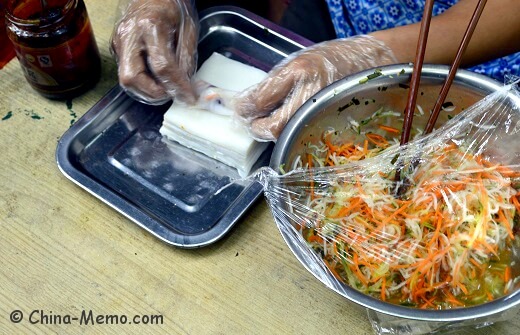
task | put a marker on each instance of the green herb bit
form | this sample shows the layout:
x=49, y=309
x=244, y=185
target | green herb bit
x=428, y=225
x=407, y=304
x=378, y=113
x=281, y=168
x=376, y=74
x=35, y=116
x=7, y=116
x=365, y=121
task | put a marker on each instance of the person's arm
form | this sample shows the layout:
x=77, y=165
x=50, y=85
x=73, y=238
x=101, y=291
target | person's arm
x=497, y=34
x=268, y=106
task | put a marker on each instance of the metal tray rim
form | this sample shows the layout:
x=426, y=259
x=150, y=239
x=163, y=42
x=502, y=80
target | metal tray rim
x=250, y=194
x=117, y=202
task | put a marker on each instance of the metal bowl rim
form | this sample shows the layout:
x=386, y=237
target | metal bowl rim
x=315, y=105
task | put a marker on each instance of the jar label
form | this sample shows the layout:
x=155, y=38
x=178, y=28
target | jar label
x=37, y=76
x=43, y=66
x=45, y=61
x=66, y=64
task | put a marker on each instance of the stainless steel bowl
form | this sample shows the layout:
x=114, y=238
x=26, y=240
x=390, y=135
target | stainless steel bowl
x=360, y=98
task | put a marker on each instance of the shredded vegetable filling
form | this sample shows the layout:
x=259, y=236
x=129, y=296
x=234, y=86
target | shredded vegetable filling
x=446, y=243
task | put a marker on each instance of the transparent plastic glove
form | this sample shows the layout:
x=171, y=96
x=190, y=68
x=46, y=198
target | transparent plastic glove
x=155, y=45
x=268, y=106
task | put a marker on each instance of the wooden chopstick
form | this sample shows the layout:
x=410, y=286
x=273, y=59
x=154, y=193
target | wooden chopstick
x=414, y=85
x=412, y=94
x=454, y=66
x=417, y=69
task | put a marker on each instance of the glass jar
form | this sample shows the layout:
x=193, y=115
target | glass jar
x=55, y=46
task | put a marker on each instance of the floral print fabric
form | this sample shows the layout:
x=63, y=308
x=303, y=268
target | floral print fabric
x=354, y=17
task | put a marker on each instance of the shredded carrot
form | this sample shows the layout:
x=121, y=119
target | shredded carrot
x=507, y=274
x=331, y=268
x=377, y=139
x=345, y=210
x=211, y=96
x=383, y=289
x=516, y=202
x=389, y=129
x=315, y=238
x=413, y=242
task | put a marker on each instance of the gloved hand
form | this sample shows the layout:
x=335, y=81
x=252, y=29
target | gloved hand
x=266, y=107
x=155, y=45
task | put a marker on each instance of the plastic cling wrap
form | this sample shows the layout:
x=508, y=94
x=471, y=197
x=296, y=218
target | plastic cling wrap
x=440, y=238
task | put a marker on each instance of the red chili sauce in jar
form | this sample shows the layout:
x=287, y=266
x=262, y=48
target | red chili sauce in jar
x=6, y=47
x=55, y=46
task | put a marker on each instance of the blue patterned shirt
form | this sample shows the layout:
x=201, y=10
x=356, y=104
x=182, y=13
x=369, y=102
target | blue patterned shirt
x=354, y=17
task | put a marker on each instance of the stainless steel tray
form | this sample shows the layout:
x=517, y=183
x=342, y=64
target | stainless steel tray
x=116, y=153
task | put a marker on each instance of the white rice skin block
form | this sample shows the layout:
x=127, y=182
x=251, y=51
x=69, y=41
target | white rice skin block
x=217, y=136
x=228, y=74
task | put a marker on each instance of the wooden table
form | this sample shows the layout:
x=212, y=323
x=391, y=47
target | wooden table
x=62, y=251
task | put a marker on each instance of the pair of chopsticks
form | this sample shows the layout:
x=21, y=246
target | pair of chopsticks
x=419, y=58
x=416, y=74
